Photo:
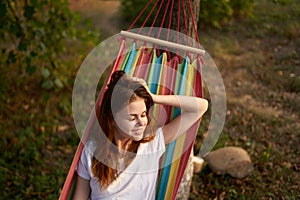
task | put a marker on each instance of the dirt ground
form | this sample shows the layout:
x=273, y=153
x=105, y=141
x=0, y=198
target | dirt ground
x=260, y=64
x=103, y=14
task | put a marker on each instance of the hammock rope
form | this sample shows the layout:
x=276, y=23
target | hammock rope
x=139, y=15
x=148, y=16
x=155, y=18
x=194, y=23
x=163, y=19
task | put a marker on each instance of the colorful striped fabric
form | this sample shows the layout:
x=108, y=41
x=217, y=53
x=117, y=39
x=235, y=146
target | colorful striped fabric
x=164, y=75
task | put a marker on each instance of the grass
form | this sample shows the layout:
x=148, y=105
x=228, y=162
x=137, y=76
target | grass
x=259, y=60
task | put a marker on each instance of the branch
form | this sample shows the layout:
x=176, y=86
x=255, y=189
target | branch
x=15, y=16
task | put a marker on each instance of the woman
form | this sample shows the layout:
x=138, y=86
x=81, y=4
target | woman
x=126, y=165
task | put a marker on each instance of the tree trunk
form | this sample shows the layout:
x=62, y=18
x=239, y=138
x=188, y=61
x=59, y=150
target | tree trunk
x=195, y=4
x=184, y=189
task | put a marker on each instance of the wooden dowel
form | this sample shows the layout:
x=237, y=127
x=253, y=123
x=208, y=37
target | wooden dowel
x=163, y=43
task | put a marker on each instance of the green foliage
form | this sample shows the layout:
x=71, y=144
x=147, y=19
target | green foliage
x=282, y=2
x=34, y=36
x=42, y=45
x=218, y=12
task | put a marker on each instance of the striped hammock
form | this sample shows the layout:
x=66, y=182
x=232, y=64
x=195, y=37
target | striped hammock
x=164, y=74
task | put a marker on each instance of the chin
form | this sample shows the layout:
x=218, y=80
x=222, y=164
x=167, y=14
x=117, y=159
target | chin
x=137, y=138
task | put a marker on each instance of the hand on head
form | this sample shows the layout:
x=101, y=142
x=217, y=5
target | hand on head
x=142, y=82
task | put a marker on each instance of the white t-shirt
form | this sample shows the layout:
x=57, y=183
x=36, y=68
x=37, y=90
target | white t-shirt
x=138, y=181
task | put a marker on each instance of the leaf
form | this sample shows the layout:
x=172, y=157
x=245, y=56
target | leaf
x=3, y=9
x=15, y=29
x=34, y=3
x=30, y=69
x=58, y=83
x=11, y=58
x=47, y=84
x=42, y=46
x=46, y=97
x=33, y=54
x=22, y=46
x=2, y=25
x=45, y=73
x=29, y=12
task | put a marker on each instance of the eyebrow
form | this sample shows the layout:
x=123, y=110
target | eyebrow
x=144, y=112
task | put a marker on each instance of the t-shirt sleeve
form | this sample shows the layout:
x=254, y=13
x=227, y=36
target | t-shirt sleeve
x=83, y=167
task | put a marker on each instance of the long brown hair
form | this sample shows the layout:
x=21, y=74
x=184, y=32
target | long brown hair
x=127, y=91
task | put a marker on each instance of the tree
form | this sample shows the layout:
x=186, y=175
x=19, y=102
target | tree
x=195, y=6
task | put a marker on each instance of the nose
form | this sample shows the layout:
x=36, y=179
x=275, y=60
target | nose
x=141, y=121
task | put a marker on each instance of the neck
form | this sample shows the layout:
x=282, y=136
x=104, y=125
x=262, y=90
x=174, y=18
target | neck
x=121, y=142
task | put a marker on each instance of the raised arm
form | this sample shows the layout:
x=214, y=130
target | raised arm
x=192, y=109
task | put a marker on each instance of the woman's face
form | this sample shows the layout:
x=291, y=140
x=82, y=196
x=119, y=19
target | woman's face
x=132, y=120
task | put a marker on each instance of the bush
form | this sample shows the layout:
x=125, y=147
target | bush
x=34, y=35
x=41, y=48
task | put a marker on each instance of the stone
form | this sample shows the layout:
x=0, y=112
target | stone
x=234, y=161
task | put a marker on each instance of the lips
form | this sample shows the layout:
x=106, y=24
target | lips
x=138, y=132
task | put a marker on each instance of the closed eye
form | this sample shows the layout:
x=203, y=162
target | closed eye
x=143, y=114
x=133, y=116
